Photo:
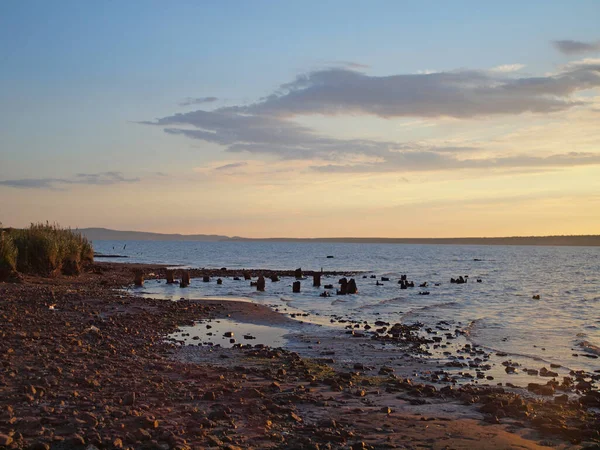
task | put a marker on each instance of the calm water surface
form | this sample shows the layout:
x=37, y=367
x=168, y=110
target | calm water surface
x=499, y=312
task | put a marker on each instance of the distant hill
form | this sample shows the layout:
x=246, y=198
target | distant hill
x=587, y=241
x=99, y=234
x=104, y=234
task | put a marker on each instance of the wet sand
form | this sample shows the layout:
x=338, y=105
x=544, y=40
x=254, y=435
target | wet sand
x=84, y=364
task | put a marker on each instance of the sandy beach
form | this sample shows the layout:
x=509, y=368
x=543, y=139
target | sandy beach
x=86, y=365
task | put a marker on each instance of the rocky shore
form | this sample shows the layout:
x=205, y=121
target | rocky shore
x=84, y=365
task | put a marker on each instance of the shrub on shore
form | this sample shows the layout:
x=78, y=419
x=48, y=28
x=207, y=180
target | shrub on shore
x=8, y=255
x=45, y=249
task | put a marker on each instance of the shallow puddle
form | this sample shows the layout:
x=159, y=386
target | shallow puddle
x=227, y=333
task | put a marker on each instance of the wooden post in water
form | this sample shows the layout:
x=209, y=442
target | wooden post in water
x=247, y=276
x=298, y=273
x=352, y=289
x=296, y=287
x=260, y=284
x=343, y=290
x=317, y=280
x=170, y=276
x=138, y=279
x=185, y=279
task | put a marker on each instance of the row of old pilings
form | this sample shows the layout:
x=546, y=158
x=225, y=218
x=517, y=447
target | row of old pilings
x=138, y=278
x=346, y=287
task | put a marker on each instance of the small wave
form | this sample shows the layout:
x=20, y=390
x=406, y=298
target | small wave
x=389, y=301
x=435, y=306
x=418, y=311
x=513, y=353
x=472, y=325
x=339, y=300
x=590, y=348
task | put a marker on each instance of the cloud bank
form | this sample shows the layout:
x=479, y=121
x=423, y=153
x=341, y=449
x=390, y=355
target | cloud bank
x=460, y=94
x=267, y=127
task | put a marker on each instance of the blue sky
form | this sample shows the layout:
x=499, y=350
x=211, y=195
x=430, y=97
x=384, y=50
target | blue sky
x=77, y=79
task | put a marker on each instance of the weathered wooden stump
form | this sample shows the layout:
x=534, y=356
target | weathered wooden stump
x=219, y=281
x=274, y=278
x=317, y=280
x=138, y=278
x=206, y=278
x=296, y=287
x=247, y=276
x=260, y=284
x=352, y=289
x=343, y=290
x=170, y=276
x=298, y=273
x=185, y=279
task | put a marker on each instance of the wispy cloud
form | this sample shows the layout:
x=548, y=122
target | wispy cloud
x=570, y=47
x=507, y=68
x=289, y=141
x=348, y=64
x=235, y=165
x=103, y=178
x=198, y=100
x=428, y=161
x=32, y=183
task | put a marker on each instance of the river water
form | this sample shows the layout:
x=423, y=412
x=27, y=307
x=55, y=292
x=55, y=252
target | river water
x=499, y=313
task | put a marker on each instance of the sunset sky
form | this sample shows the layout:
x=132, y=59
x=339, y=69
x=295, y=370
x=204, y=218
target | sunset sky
x=302, y=119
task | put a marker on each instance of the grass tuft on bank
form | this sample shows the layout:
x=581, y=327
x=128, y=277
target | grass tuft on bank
x=44, y=249
x=8, y=255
